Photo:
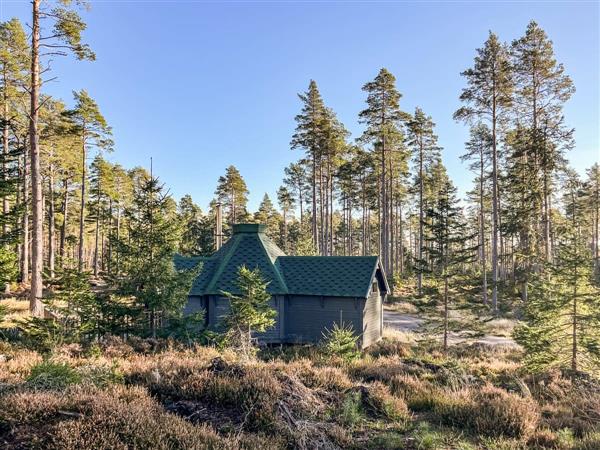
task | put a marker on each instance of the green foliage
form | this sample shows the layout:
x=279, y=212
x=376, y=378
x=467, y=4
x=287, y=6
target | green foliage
x=304, y=245
x=147, y=273
x=351, y=411
x=74, y=310
x=186, y=328
x=101, y=375
x=88, y=122
x=341, y=341
x=232, y=192
x=249, y=311
x=562, y=316
x=53, y=376
x=197, y=236
x=268, y=215
x=68, y=27
x=8, y=266
x=77, y=314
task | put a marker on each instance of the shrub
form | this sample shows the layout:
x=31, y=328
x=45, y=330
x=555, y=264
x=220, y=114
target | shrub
x=350, y=412
x=341, y=341
x=389, y=347
x=489, y=411
x=328, y=378
x=99, y=419
x=384, y=404
x=590, y=441
x=52, y=375
x=101, y=375
x=380, y=369
x=419, y=395
x=569, y=403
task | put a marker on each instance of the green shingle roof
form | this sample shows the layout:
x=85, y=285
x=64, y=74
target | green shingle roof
x=332, y=276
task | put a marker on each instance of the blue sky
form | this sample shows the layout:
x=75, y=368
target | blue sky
x=202, y=85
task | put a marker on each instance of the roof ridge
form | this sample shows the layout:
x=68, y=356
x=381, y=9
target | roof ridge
x=329, y=256
x=275, y=268
x=223, y=263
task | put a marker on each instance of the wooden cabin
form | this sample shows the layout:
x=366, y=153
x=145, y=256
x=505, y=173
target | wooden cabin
x=309, y=293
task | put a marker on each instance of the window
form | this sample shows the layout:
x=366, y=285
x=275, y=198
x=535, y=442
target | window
x=375, y=287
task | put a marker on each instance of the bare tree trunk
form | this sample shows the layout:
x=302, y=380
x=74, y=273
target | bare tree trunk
x=482, y=229
x=51, y=224
x=63, y=228
x=574, y=330
x=420, y=249
x=5, y=150
x=82, y=204
x=117, y=268
x=97, y=234
x=25, y=221
x=494, y=210
x=109, y=245
x=35, y=304
x=5, y=203
x=315, y=234
x=445, y=313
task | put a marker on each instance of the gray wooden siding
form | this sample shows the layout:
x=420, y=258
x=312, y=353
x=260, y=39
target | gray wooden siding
x=274, y=335
x=194, y=304
x=219, y=308
x=307, y=317
x=372, y=319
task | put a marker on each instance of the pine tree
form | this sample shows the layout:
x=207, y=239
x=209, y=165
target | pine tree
x=146, y=254
x=448, y=248
x=64, y=37
x=296, y=180
x=541, y=89
x=93, y=130
x=102, y=192
x=267, y=215
x=478, y=149
x=14, y=58
x=249, y=311
x=426, y=152
x=197, y=237
x=488, y=96
x=309, y=135
x=592, y=193
x=562, y=315
x=233, y=194
x=286, y=203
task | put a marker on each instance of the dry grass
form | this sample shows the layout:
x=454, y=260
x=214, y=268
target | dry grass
x=402, y=307
x=206, y=398
x=500, y=327
x=121, y=417
x=399, y=336
x=17, y=311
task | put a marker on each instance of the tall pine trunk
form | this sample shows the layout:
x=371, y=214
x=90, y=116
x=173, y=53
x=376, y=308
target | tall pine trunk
x=494, y=208
x=35, y=304
x=82, y=203
x=445, y=313
x=420, y=272
x=5, y=203
x=51, y=222
x=315, y=234
x=97, y=234
x=63, y=228
x=482, y=229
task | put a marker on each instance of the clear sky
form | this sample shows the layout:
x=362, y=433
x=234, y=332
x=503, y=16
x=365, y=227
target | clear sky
x=202, y=85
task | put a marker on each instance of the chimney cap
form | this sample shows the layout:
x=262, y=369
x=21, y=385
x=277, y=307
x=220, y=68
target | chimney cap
x=252, y=228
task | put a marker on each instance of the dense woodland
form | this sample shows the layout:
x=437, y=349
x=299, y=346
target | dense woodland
x=96, y=353
x=527, y=234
